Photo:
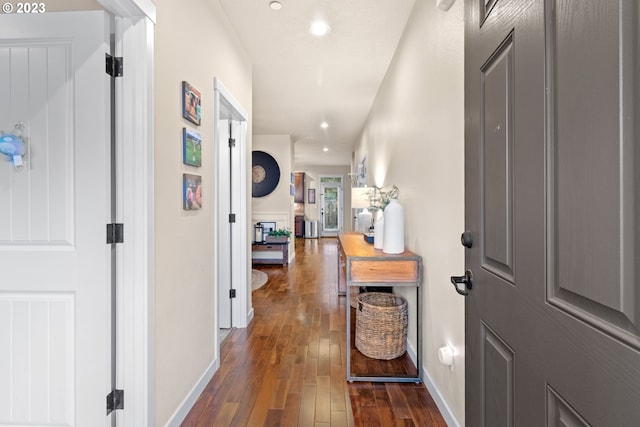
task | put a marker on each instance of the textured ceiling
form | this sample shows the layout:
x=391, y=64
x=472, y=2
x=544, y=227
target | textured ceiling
x=300, y=80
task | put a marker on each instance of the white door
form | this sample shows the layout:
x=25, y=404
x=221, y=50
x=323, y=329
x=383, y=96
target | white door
x=55, y=294
x=231, y=239
x=331, y=207
x=226, y=158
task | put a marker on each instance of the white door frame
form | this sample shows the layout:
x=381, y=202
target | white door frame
x=240, y=258
x=135, y=20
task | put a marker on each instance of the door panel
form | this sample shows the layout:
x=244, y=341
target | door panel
x=560, y=413
x=592, y=133
x=497, y=149
x=31, y=215
x=55, y=294
x=498, y=379
x=551, y=183
x=47, y=343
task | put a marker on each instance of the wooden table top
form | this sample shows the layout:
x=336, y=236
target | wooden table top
x=366, y=264
x=354, y=246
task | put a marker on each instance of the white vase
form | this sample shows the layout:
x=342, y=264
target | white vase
x=364, y=221
x=378, y=233
x=393, y=240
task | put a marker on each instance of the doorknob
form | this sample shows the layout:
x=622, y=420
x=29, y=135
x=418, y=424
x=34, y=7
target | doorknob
x=466, y=239
x=463, y=283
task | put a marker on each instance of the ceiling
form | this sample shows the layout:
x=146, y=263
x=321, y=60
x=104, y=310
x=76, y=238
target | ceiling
x=300, y=80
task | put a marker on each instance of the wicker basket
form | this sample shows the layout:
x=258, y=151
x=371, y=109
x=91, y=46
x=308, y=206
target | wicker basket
x=354, y=295
x=381, y=325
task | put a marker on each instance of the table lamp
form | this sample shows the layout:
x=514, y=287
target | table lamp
x=360, y=200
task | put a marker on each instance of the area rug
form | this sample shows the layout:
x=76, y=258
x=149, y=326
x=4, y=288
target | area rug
x=258, y=278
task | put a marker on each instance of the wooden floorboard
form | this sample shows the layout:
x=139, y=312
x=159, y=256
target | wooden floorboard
x=287, y=368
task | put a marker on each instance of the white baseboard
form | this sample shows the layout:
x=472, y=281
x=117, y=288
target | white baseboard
x=442, y=405
x=183, y=410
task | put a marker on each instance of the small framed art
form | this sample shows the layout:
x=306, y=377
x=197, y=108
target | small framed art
x=311, y=195
x=191, y=147
x=266, y=228
x=191, y=192
x=190, y=103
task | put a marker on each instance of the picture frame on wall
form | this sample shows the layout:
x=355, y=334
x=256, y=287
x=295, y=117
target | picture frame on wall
x=361, y=176
x=191, y=100
x=191, y=147
x=311, y=196
x=191, y=192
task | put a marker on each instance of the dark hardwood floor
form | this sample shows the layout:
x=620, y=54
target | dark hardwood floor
x=288, y=367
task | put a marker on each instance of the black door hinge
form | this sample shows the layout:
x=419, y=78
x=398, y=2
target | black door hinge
x=115, y=400
x=232, y=293
x=115, y=233
x=232, y=142
x=232, y=218
x=114, y=65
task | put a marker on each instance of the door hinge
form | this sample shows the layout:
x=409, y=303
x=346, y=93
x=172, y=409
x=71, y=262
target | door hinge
x=232, y=293
x=232, y=218
x=115, y=400
x=232, y=142
x=114, y=65
x=115, y=233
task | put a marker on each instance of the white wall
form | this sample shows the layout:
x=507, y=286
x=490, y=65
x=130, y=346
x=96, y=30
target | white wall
x=277, y=206
x=194, y=43
x=414, y=138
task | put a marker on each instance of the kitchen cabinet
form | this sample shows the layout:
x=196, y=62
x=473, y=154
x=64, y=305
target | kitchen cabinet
x=298, y=184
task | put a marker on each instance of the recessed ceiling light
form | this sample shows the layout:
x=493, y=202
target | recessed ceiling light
x=325, y=149
x=275, y=5
x=319, y=28
x=324, y=125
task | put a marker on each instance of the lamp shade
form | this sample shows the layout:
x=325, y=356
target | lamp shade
x=360, y=197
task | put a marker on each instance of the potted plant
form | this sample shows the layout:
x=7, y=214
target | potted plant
x=380, y=197
x=279, y=235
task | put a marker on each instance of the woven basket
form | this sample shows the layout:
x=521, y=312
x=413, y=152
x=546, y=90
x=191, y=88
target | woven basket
x=354, y=294
x=381, y=325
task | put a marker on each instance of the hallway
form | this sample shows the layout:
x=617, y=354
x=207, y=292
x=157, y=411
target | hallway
x=288, y=367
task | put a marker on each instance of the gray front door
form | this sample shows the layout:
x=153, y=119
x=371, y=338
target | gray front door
x=552, y=96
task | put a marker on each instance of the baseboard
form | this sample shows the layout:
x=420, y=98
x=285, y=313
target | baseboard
x=183, y=410
x=442, y=405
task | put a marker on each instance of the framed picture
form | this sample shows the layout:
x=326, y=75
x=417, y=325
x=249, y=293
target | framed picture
x=191, y=192
x=292, y=190
x=191, y=147
x=292, y=178
x=361, y=177
x=190, y=103
x=311, y=195
x=266, y=228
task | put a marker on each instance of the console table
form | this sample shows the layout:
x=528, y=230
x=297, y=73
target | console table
x=270, y=253
x=366, y=266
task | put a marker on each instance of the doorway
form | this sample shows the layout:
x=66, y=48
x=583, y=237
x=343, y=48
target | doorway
x=231, y=259
x=331, y=210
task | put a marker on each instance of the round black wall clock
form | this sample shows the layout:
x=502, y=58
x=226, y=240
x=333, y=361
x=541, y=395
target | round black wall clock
x=265, y=174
